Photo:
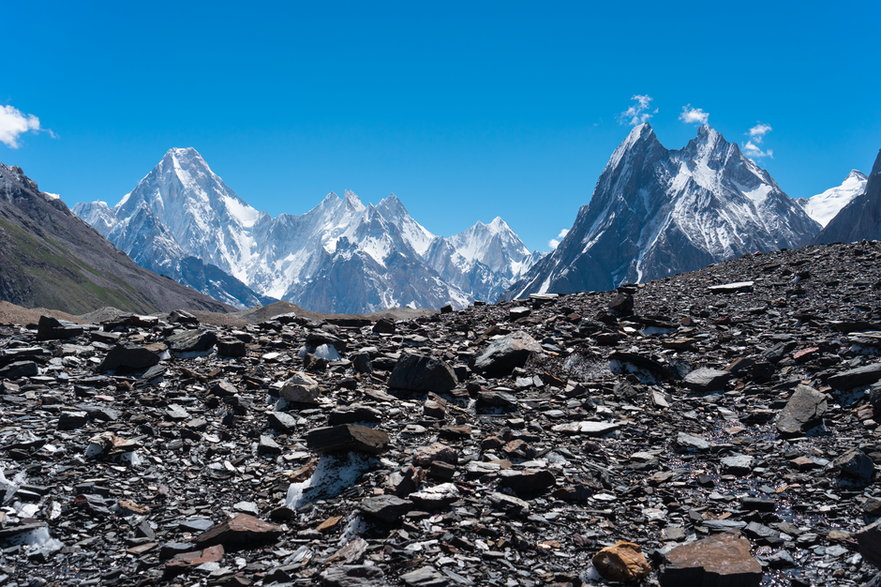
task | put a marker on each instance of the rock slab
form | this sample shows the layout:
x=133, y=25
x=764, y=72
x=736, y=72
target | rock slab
x=722, y=560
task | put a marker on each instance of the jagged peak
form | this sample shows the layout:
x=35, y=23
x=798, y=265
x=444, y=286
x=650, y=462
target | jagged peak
x=393, y=205
x=352, y=200
x=495, y=226
x=640, y=139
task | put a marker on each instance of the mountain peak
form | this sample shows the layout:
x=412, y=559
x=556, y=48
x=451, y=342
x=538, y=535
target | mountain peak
x=856, y=174
x=641, y=139
x=353, y=201
x=184, y=156
x=392, y=205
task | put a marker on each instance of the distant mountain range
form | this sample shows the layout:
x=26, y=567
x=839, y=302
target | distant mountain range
x=656, y=212
x=50, y=258
x=341, y=256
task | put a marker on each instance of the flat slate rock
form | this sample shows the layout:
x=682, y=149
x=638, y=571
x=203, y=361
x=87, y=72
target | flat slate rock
x=723, y=560
x=705, y=379
x=353, y=576
x=733, y=287
x=865, y=375
x=241, y=531
x=347, y=437
x=424, y=577
x=587, y=428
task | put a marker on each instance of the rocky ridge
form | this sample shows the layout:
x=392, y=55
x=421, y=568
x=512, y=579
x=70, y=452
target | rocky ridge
x=51, y=258
x=720, y=424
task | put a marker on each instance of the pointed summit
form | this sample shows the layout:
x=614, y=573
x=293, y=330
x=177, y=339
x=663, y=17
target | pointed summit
x=824, y=206
x=640, y=143
x=861, y=217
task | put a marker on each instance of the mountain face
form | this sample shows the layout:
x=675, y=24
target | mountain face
x=51, y=258
x=861, y=218
x=824, y=206
x=656, y=212
x=340, y=256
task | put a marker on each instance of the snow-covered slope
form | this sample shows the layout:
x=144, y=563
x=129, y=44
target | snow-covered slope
x=861, y=218
x=824, y=206
x=656, y=212
x=341, y=256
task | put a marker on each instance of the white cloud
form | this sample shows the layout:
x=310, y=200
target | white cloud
x=691, y=115
x=753, y=147
x=639, y=112
x=759, y=131
x=754, y=151
x=555, y=242
x=14, y=123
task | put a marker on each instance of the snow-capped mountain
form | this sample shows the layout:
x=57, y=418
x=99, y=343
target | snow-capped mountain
x=340, y=256
x=861, y=218
x=824, y=206
x=656, y=212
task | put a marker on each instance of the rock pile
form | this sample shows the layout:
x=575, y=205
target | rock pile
x=669, y=432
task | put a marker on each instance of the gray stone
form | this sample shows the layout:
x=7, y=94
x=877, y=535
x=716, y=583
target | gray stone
x=503, y=355
x=705, y=379
x=804, y=408
x=865, y=375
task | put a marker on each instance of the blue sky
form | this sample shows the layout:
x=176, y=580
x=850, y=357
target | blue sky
x=465, y=110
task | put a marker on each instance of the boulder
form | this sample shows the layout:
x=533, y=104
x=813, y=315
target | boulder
x=300, y=388
x=191, y=341
x=128, y=359
x=49, y=328
x=623, y=561
x=803, y=410
x=505, y=354
x=422, y=373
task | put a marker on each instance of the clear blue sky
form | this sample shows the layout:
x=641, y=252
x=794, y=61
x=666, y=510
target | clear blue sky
x=465, y=110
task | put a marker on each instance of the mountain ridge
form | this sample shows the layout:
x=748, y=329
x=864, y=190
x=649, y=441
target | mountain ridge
x=292, y=256
x=656, y=212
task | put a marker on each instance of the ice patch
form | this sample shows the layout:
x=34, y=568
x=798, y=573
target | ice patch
x=322, y=351
x=333, y=474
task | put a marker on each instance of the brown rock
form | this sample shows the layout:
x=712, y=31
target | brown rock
x=239, y=532
x=212, y=554
x=720, y=560
x=623, y=561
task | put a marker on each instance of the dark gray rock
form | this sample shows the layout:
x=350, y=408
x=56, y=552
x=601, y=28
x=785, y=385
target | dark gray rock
x=865, y=375
x=422, y=373
x=128, y=359
x=385, y=508
x=49, y=328
x=347, y=437
x=191, y=341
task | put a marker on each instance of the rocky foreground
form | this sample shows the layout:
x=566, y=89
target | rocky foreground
x=714, y=428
